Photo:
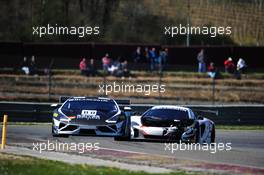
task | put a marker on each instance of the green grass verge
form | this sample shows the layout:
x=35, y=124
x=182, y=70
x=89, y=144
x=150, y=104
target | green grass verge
x=24, y=165
x=240, y=127
x=27, y=123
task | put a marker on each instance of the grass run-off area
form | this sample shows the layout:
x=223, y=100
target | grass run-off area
x=24, y=165
x=240, y=127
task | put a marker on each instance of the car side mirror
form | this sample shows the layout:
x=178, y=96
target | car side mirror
x=127, y=108
x=54, y=106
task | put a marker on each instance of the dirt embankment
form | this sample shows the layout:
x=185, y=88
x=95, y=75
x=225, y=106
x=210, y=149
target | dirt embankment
x=177, y=88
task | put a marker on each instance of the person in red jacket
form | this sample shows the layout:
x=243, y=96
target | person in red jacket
x=83, y=67
x=106, y=62
x=229, y=66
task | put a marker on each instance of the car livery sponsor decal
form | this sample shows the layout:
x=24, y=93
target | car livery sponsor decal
x=179, y=108
x=88, y=99
x=89, y=115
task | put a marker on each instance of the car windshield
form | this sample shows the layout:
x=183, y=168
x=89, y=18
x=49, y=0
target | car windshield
x=105, y=106
x=167, y=114
x=163, y=117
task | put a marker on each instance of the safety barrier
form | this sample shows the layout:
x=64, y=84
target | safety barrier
x=220, y=114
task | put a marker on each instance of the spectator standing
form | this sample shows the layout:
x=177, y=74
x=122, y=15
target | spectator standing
x=83, y=67
x=146, y=55
x=124, y=68
x=152, y=58
x=32, y=66
x=25, y=66
x=163, y=58
x=166, y=56
x=137, y=55
x=159, y=60
x=106, y=62
x=91, y=68
x=201, y=61
x=229, y=66
x=241, y=65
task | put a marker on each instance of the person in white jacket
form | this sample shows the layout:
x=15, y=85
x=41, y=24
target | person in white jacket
x=241, y=65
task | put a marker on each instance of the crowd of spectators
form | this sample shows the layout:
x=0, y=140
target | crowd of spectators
x=87, y=68
x=155, y=59
x=213, y=71
x=116, y=67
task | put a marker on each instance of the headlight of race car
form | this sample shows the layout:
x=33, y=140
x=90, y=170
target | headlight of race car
x=55, y=114
x=121, y=117
x=59, y=116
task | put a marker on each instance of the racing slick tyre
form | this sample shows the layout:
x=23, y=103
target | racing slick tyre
x=125, y=137
x=126, y=131
x=197, y=133
x=213, y=135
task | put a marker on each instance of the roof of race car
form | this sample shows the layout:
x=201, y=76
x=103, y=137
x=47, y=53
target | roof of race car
x=180, y=108
x=90, y=99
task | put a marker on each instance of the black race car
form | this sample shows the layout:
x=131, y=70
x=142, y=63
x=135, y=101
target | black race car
x=169, y=123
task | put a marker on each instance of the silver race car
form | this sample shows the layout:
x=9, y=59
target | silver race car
x=90, y=116
x=169, y=123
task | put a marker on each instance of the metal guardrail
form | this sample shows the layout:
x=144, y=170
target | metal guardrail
x=220, y=114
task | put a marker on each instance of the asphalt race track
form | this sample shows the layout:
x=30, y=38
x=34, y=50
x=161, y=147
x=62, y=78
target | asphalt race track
x=247, y=146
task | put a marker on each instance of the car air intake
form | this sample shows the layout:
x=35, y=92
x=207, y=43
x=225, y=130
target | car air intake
x=87, y=132
x=70, y=128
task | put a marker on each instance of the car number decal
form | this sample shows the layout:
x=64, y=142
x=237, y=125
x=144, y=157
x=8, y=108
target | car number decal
x=89, y=115
x=89, y=112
